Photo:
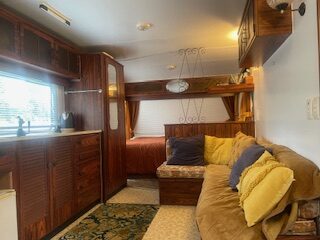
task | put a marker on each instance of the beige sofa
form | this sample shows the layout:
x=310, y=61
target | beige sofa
x=219, y=216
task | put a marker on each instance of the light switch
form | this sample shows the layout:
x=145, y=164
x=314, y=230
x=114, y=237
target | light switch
x=309, y=109
x=316, y=108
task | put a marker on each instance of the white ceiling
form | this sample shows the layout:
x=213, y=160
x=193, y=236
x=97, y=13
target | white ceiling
x=110, y=26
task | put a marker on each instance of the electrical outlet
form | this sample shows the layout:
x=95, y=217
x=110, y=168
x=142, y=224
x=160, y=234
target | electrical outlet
x=316, y=108
x=309, y=109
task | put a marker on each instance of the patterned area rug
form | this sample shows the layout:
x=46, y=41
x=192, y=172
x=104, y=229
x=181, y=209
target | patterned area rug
x=114, y=221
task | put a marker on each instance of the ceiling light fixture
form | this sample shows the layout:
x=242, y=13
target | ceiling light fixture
x=55, y=13
x=144, y=26
x=282, y=5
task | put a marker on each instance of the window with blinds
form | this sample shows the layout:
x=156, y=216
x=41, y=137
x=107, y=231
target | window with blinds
x=35, y=102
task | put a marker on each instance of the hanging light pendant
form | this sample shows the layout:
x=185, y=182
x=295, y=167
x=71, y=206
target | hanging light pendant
x=282, y=5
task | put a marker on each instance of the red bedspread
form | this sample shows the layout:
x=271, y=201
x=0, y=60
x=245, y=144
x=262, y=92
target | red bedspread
x=144, y=155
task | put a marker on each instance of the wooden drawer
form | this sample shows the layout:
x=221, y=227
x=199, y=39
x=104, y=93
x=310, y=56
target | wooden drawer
x=88, y=140
x=92, y=155
x=88, y=169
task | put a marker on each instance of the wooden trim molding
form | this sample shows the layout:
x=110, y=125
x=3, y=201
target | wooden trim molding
x=198, y=88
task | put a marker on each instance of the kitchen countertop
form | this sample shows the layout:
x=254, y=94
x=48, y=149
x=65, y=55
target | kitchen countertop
x=45, y=135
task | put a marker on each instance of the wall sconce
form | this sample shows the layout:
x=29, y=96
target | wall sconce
x=282, y=5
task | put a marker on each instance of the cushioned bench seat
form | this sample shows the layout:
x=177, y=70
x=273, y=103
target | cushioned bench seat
x=176, y=171
x=180, y=185
x=218, y=214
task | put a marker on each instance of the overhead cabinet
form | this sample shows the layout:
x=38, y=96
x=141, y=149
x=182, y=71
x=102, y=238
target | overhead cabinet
x=9, y=39
x=262, y=31
x=24, y=42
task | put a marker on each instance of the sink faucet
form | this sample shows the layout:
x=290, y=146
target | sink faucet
x=29, y=124
x=20, y=131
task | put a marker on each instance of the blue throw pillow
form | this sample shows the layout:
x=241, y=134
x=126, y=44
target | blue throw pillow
x=187, y=151
x=246, y=159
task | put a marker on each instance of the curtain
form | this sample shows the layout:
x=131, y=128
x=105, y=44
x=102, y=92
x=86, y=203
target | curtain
x=132, y=113
x=229, y=103
x=127, y=121
x=245, y=107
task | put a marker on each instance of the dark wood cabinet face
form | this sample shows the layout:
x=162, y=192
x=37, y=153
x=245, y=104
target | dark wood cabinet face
x=87, y=177
x=61, y=162
x=74, y=65
x=28, y=44
x=7, y=35
x=33, y=194
x=35, y=48
x=66, y=59
x=62, y=58
x=261, y=33
x=116, y=127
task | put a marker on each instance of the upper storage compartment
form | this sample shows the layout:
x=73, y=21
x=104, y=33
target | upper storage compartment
x=28, y=44
x=261, y=33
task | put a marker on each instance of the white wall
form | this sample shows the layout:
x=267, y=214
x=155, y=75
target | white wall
x=154, y=114
x=284, y=83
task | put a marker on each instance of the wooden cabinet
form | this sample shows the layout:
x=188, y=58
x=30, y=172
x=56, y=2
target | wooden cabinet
x=66, y=59
x=261, y=33
x=7, y=165
x=61, y=172
x=9, y=39
x=33, y=192
x=103, y=111
x=87, y=165
x=36, y=47
x=56, y=179
x=23, y=42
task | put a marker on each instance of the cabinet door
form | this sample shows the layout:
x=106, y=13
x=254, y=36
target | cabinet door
x=87, y=177
x=9, y=40
x=36, y=47
x=116, y=168
x=33, y=193
x=60, y=156
x=67, y=60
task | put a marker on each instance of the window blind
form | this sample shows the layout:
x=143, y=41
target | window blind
x=34, y=101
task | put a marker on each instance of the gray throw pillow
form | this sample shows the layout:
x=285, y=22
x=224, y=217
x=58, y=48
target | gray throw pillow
x=187, y=151
x=246, y=159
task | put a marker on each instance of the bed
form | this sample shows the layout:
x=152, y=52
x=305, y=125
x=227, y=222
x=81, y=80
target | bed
x=144, y=155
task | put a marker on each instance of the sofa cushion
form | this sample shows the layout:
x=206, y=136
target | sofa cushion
x=262, y=186
x=217, y=150
x=247, y=158
x=218, y=213
x=241, y=142
x=306, y=173
x=176, y=171
x=187, y=151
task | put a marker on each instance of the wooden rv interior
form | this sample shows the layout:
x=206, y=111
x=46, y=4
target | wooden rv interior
x=92, y=113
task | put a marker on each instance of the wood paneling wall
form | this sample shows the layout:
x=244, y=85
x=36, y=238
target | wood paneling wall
x=223, y=129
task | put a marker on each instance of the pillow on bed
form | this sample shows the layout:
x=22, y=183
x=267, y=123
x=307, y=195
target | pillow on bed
x=186, y=151
x=217, y=150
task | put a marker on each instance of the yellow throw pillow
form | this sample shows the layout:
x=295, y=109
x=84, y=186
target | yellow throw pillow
x=262, y=186
x=241, y=142
x=217, y=150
